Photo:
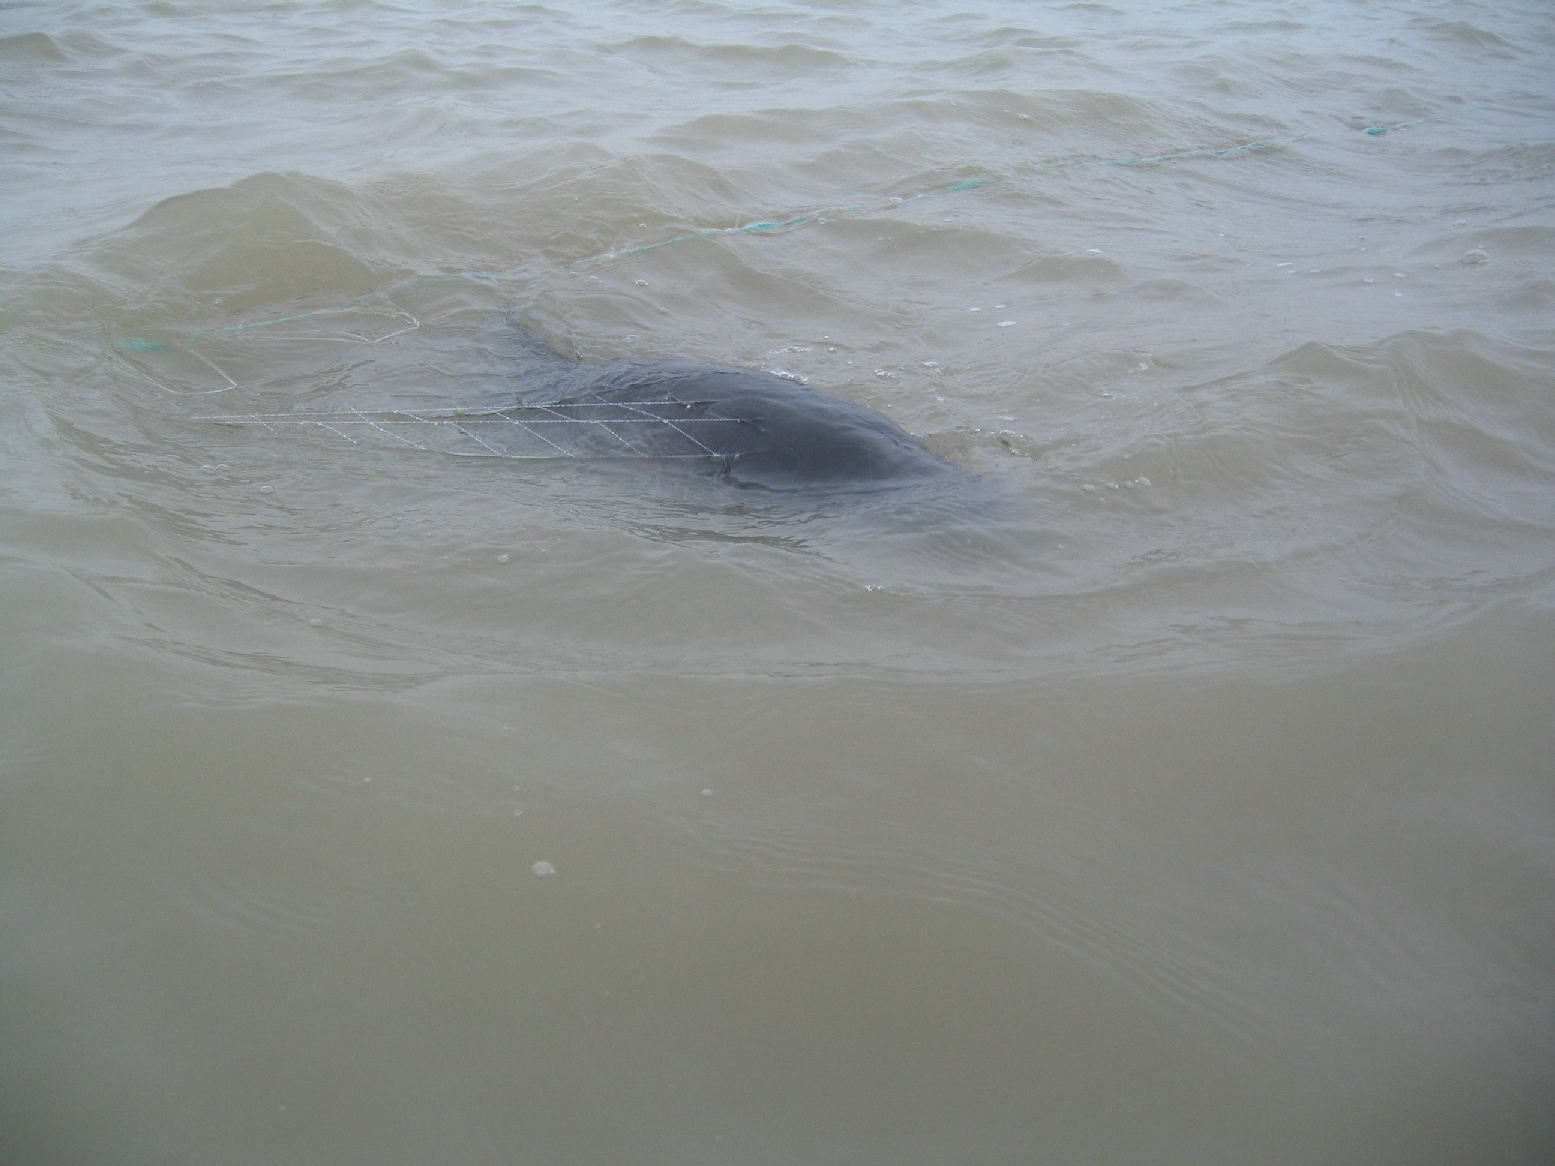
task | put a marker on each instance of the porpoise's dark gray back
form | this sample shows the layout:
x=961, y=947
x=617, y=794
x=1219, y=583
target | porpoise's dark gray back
x=783, y=435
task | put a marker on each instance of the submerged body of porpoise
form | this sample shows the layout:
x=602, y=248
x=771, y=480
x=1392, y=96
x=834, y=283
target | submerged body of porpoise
x=750, y=428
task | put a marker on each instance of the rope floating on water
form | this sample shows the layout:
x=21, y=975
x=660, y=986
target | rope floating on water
x=582, y=430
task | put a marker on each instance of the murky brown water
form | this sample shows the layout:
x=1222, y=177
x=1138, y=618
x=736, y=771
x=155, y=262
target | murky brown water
x=1176, y=789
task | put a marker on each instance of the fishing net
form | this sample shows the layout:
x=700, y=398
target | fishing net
x=664, y=429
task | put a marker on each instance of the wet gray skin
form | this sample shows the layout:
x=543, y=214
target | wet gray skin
x=758, y=429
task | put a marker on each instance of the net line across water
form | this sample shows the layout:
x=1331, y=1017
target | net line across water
x=576, y=429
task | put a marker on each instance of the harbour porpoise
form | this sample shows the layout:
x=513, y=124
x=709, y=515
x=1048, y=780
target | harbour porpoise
x=755, y=428
x=751, y=428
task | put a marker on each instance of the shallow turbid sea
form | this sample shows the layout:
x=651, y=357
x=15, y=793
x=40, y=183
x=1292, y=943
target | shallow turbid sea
x=1175, y=787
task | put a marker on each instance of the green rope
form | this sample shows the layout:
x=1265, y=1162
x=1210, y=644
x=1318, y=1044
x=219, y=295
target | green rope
x=143, y=344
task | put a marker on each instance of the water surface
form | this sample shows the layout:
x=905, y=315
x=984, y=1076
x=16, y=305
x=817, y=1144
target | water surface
x=1176, y=790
